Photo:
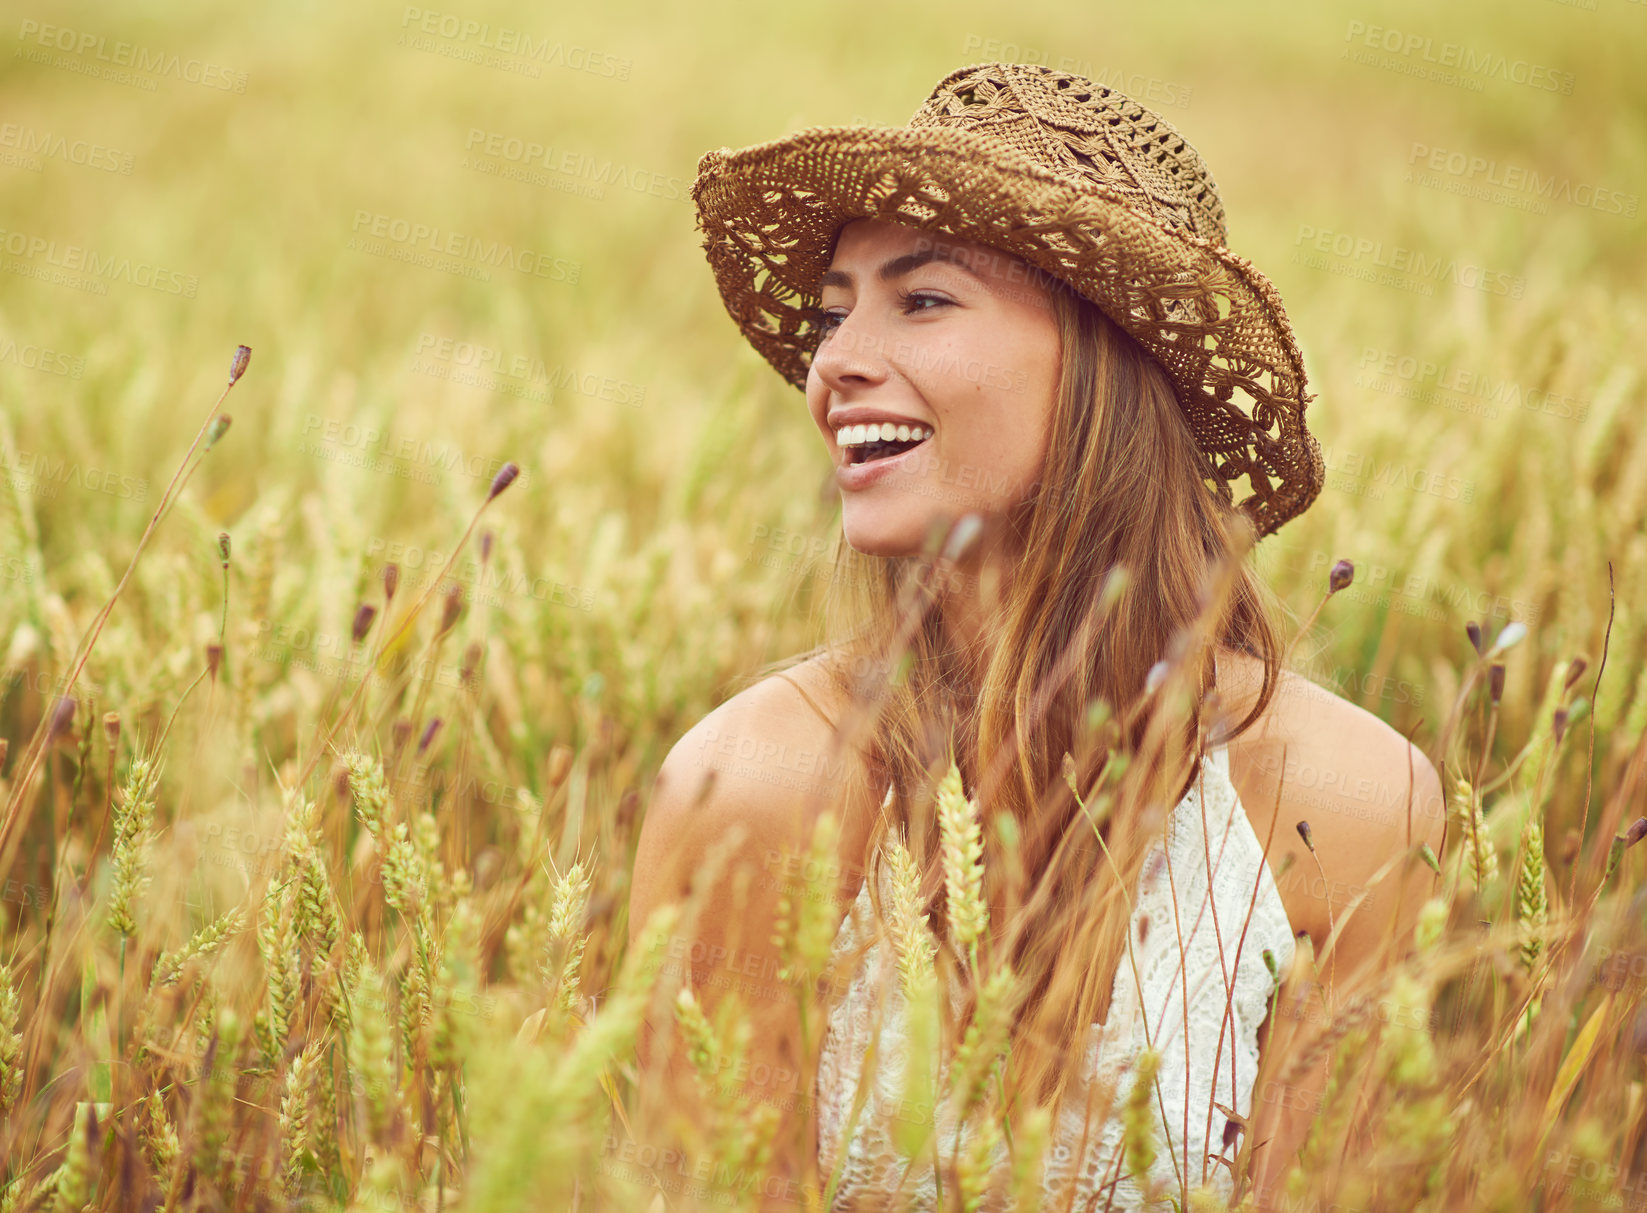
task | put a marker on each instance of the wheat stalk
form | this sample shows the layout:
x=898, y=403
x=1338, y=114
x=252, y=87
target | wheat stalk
x=1476, y=852
x=133, y=816
x=1531, y=902
x=157, y=1136
x=11, y=1042
x=912, y=939
x=564, y=942
x=169, y=968
x=976, y=1162
x=963, y=849
x=978, y=1058
x=295, y=1129
x=1138, y=1120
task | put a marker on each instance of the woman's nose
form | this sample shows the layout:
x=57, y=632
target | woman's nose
x=855, y=354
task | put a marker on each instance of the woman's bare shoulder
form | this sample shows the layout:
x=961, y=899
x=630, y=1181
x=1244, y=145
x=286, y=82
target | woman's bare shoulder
x=766, y=763
x=1366, y=792
x=771, y=737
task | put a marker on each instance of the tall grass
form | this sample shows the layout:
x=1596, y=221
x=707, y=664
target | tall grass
x=308, y=906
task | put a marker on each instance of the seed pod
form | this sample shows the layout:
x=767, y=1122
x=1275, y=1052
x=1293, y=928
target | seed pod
x=1304, y=833
x=429, y=732
x=219, y=426
x=242, y=359
x=1473, y=630
x=1558, y=724
x=471, y=662
x=451, y=608
x=1495, y=682
x=223, y=546
x=505, y=477
x=391, y=579
x=1343, y=573
x=214, y=658
x=485, y=546
x=62, y=716
x=1574, y=672
x=560, y=763
x=111, y=728
x=364, y=614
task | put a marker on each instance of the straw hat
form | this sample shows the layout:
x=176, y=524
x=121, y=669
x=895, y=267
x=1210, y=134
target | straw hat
x=1074, y=178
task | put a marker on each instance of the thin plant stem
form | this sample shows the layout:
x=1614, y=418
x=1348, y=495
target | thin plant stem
x=36, y=743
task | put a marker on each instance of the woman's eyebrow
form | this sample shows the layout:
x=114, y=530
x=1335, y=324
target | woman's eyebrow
x=899, y=266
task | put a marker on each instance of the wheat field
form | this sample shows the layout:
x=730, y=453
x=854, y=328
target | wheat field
x=315, y=888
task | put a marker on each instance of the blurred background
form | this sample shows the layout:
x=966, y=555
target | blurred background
x=455, y=238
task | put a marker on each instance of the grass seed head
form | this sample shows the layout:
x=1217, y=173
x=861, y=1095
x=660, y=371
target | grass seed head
x=1575, y=671
x=364, y=614
x=450, y=609
x=62, y=716
x=505, y=477
x=429, y=732
x=215, y=431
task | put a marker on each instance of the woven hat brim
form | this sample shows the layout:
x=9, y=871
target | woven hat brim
x=770, y=213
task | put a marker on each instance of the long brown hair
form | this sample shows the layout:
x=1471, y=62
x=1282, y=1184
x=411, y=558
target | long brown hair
x=1066, y=671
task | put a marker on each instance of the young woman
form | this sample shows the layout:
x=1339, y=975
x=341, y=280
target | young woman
x=1033, y=362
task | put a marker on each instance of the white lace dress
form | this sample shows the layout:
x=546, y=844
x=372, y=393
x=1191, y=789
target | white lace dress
x=1208, y=821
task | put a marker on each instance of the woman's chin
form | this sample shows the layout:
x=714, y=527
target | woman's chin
x=882, y=532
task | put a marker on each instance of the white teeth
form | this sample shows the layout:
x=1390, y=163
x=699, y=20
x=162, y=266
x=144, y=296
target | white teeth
x=885, y=431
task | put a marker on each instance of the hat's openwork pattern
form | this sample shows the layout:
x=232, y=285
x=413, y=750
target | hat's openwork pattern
x=1079, y=181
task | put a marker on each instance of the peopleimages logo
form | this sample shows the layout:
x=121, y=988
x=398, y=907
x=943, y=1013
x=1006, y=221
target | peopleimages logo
x=421, y=243
x=126, y=54
x=37, y=252
x=31, y=144
x=531, y=161
x=1423, y=49
x=539, y=52
x=1423, y=378
x=1414, y=264
x=1484, y=177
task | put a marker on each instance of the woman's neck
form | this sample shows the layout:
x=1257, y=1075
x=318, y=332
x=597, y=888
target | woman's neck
x=974, y=591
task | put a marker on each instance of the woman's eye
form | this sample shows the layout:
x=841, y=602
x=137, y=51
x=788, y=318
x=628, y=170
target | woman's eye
x=915, y=301
x=827, y=322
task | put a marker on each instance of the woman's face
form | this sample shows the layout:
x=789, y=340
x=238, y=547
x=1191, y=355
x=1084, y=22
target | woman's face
x=936, y=336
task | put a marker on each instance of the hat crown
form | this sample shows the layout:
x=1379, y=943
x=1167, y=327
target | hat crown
x=1086, y=133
